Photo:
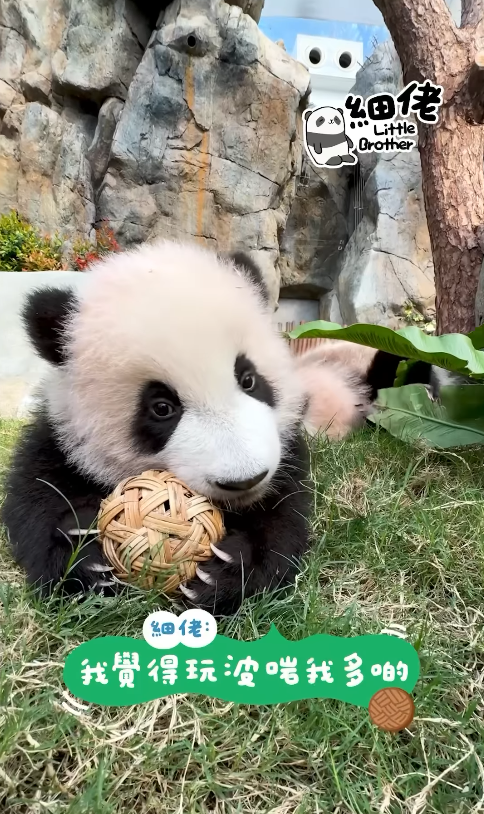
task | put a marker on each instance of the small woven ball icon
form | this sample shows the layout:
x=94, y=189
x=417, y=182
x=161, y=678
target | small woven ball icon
x=391, y=709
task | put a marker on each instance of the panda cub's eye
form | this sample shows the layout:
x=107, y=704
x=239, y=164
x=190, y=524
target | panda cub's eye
x=157, y=416
x=248, y=381
x=253, y=383
x=162, y=409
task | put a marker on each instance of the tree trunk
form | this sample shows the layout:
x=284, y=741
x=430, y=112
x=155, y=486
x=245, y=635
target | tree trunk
x=430, y=46
x=452, y=156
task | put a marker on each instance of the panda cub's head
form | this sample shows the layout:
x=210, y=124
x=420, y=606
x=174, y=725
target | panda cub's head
x=168, y=359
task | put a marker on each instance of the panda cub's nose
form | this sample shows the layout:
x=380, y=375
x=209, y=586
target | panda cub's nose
x=241, y=485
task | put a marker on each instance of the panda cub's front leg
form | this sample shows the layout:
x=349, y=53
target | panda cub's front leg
x=85, y=569
x=222, y=583
x=247, y=563
x=261, y=551
x=48, y=510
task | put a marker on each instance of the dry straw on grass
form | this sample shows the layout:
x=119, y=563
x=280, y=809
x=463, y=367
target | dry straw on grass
x=384, y=553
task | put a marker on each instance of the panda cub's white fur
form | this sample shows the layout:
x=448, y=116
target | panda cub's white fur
x=180, y=315
x=333, y=378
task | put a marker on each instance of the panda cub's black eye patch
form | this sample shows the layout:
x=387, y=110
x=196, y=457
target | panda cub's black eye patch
x=320, y=121
x=158, y=413
x=337, y=120
x=252, y=383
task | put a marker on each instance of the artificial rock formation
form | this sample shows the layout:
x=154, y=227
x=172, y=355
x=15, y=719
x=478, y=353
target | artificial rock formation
x=184, y=122
x=387, y=261
x=180, y=122
x=58, y=63
x=208, y=143
x=316, y=233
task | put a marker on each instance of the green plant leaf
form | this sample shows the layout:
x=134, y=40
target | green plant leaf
x=464, y=403
x=410, y=415
x=455, y=352
x=477, y=337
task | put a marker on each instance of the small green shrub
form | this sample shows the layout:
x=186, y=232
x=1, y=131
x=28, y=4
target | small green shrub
x=23, y=248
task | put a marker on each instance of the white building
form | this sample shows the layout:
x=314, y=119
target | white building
x=332, y=64
x=352, y=11
x=363, y=12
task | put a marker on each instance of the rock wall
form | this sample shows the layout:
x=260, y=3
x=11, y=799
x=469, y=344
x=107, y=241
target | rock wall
x=208, y=142
x=183, y=127
x=315, y=234
x=183, y=120
x=357, y=240
x=58, y=62
x=387, y=261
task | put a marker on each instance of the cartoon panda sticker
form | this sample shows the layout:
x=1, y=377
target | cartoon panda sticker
x=325, y=138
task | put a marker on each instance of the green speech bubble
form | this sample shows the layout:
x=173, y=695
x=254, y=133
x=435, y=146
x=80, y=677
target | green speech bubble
x=120, y=670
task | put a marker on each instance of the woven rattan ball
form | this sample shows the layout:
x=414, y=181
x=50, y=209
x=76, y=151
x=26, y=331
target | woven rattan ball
x=155, y=530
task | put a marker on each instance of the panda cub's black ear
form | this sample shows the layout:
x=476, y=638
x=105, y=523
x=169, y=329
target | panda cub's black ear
x=44, y=316
x=307, y=113
x=251, y=270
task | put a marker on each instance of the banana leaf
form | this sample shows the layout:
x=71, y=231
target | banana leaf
x=477, y=337
x=409, y=414
x=464, y=403
x=454, y=352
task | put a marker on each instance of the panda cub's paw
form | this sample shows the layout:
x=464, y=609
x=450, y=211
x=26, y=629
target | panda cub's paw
x=91, y=571
x=219, y=586
x=85, y=567
x=103, y=580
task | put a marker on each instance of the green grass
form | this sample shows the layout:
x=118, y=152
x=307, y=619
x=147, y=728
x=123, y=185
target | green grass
x=398, y=538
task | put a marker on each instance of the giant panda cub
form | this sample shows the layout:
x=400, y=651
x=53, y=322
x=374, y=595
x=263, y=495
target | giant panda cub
x=169, y=359
x=341, y=382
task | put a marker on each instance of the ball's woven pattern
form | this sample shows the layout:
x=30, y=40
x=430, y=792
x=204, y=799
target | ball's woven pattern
x=153, y=528
x=391, y=709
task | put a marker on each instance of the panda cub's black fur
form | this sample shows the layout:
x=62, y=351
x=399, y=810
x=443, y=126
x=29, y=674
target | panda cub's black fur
x=167, y=360
x=265, y=542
